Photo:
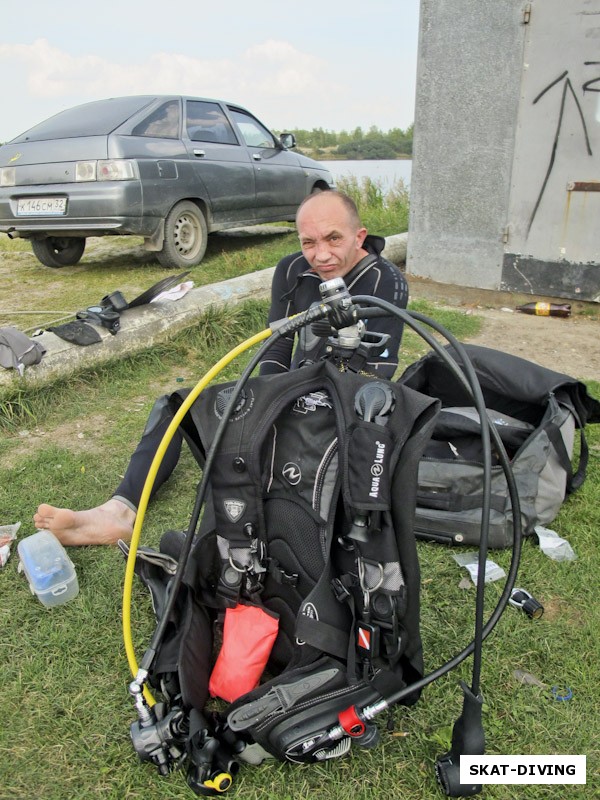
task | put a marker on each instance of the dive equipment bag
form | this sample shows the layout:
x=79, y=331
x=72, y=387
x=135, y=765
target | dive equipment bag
x=300, y=598
x=537, y=413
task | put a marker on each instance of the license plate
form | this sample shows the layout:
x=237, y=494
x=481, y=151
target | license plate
x=41, y=206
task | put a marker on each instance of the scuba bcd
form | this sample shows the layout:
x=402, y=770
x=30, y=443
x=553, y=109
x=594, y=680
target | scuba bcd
x=348, y=645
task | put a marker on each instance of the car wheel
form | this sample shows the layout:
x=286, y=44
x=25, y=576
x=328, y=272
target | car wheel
x=185, y=236
x=58, y=251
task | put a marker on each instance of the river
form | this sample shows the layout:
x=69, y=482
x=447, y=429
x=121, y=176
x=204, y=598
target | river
x=385, y=171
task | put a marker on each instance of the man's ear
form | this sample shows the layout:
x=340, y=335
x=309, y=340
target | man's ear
x=361, y=235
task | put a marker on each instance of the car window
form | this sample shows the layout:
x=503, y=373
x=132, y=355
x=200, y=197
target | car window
x=90, y=119
x=206, y=122
x=163, y=122
x=254, y=134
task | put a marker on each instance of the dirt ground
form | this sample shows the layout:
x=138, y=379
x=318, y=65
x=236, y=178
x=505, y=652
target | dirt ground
x=570, y=345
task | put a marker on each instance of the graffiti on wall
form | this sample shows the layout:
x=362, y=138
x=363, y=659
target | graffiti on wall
x=591, y=85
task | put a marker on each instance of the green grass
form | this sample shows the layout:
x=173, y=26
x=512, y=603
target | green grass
x=384, y=211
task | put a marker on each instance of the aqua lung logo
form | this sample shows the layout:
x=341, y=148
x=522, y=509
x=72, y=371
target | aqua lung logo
x=292, y=473
x=377, y=469
x=310, y=610
x=234, y=509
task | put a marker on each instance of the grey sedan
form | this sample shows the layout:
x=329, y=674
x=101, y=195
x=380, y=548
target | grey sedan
x=171, y=169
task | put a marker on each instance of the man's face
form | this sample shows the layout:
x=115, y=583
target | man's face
x=330, y=242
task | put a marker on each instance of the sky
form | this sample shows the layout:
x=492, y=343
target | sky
x=333, y=64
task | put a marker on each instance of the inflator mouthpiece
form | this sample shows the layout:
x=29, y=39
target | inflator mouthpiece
x=373, y=401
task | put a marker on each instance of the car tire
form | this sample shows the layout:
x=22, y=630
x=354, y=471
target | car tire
x=186, y=236
x=58, y=251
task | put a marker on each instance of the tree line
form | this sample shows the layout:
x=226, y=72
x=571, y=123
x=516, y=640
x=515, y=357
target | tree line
x=356, y=144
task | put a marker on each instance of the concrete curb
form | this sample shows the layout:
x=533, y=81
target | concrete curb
x=146, y=326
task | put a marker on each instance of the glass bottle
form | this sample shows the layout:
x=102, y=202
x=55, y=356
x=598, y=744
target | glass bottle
x=546, y=309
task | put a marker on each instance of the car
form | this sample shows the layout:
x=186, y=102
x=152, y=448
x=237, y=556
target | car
x=169, y=168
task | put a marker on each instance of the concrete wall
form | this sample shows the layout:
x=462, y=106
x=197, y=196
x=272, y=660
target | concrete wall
x=485, y=150
x=468, y=73
x=553, y=235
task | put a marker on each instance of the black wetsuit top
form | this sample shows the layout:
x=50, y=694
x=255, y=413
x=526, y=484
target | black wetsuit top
x=295, y=288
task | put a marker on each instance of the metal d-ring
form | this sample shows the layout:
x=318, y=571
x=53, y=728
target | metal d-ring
x=366, y=590
x=234, y=566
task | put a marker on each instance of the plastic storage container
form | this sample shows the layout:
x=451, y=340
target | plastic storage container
x=48, y=568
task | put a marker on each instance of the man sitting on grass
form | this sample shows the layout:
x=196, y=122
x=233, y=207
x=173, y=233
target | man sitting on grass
x=334, y=244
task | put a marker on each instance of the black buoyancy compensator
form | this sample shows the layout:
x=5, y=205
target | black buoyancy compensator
x=301, y=547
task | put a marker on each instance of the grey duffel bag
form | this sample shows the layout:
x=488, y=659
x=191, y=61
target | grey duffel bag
x=536, y=412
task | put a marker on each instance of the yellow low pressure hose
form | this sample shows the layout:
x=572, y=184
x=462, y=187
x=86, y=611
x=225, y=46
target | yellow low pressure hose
x=149, y=483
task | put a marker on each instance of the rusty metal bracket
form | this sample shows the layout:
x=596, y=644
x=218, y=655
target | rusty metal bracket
x=583, y=186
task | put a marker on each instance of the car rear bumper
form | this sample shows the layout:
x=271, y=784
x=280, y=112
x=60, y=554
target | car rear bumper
x=92, y=209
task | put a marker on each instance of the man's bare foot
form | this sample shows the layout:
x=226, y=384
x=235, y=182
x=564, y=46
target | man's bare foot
x=105, y=524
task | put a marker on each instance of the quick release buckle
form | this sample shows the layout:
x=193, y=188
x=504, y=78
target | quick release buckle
x=340, y=590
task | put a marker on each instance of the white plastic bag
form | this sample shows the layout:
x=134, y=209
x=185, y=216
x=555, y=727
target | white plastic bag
x=553, y=546
x=471, y=562
x=8, y=534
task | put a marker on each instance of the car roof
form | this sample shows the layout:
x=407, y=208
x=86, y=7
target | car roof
x=98, y=117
